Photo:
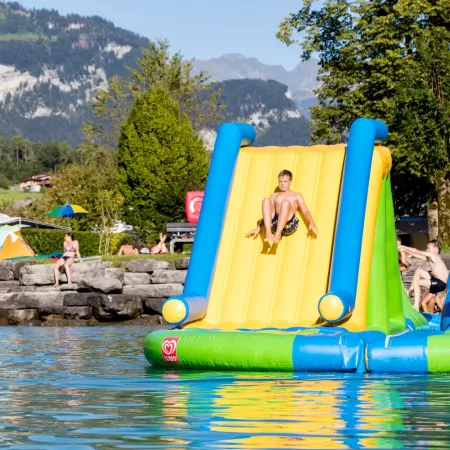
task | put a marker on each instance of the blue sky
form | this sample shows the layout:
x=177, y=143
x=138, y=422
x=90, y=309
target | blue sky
x=201, y=29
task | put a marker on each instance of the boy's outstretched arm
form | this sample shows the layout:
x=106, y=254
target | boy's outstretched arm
x=417, y=253
x=256, y=231
x=308, y=216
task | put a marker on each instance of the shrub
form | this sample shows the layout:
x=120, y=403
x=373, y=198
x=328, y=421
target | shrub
x=4, y=181
x=45, y=242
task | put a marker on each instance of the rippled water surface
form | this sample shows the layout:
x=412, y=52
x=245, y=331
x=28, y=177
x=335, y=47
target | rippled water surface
x=91, y=388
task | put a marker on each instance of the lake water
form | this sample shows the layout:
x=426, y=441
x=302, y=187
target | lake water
x=91, y=388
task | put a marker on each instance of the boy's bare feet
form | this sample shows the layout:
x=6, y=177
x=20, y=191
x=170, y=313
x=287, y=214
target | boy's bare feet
x=276, y=238
x=56, y=285
x=269, y=238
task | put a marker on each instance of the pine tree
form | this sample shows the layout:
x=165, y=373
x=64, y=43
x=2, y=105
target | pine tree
x=160, y=158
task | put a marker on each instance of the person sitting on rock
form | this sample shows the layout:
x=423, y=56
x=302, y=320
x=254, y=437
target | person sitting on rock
x=71, y=248
x=433, y=303
x=160, y=248
x=436, y=280
x=428, y=302
x=127, y=249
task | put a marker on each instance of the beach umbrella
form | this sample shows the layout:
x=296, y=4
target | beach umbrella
x=67, y=211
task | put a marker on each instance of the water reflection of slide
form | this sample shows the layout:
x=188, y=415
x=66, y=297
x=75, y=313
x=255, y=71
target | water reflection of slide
x=273, y=411
x=282, y=413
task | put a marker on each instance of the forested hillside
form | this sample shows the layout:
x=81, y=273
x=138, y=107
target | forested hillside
x=52, y=65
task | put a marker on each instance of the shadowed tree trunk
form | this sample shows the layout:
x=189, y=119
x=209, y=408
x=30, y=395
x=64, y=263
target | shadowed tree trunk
x=443, y=194
x=433, y=218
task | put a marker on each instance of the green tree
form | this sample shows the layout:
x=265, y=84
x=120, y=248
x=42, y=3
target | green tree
x=160, y=158
x=4, y=181
x=386, y=59
x=21, y=159
x=92, y=185
x=155, y=68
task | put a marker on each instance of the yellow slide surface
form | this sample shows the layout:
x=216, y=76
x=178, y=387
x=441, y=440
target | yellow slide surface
x=255, y=287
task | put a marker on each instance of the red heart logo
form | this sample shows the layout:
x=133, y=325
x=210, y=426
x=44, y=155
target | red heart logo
x=169, y=349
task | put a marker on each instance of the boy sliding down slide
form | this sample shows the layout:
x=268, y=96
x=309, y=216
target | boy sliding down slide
x=437, y=281
x=279, y=212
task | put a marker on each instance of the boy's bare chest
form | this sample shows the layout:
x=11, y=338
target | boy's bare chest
x=279, y=198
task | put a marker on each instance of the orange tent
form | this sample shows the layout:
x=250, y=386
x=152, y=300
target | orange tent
x=15, y=247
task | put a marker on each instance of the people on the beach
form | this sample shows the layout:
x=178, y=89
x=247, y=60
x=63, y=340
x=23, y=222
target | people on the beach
x=279, y=211
x=71, y=249
x=127, y=249
x=160, y=248
x=436, y=280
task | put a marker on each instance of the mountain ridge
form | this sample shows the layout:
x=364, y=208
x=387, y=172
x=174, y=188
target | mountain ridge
x=53, y=64
x=302, y=80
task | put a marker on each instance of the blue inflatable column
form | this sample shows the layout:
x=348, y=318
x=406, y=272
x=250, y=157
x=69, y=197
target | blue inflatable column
x=339, y=302
x=445, y=314
x=193, y=303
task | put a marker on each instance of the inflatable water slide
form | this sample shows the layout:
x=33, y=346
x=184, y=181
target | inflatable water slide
x=334, y=301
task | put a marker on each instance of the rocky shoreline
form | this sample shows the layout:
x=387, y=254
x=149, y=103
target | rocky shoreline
x=132, y=294
x=100, y=294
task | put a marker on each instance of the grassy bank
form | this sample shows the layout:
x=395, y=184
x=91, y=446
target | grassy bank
x=117, y=260
x=8, y=197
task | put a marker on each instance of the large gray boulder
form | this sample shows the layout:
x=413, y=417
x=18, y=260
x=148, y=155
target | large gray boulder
x=42, y=274
x=182, y=264
x=85, y=271
x=168, y=276
x=39, y=274
x=17, y=316
x=117, y=307
x=44, y=288
x=133, y=279
x=154, y=290
x=105, y=284
x=146, y=265
x=77, y=312
x=67, y=287
x=153, y=305
x=80, y=298
x=142, y=290
x=45, y=302
x=116, y=274
x=10, y=286
x=6, y=272
x=16, y=266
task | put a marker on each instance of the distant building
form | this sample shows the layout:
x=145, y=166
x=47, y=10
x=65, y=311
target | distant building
x=35, y=183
